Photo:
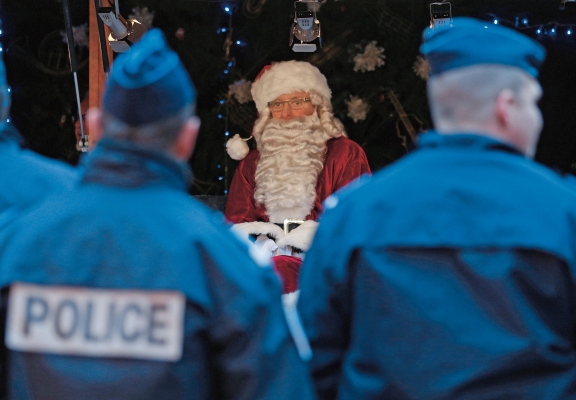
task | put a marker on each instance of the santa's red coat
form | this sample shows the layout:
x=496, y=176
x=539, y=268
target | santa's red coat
x=345, y=161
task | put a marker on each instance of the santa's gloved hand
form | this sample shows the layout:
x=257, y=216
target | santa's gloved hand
x=266, y=245
x=244, y=229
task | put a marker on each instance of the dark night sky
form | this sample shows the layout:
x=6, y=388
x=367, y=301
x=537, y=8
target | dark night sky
x=44, y=102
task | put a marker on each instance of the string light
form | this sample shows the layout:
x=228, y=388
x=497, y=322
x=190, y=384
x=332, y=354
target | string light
x=223, y=111
x=550, y=29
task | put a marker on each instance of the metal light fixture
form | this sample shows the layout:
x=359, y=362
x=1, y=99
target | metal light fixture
x=563, y=3
x=306, y=27
x=440, y=15
x=124, y=32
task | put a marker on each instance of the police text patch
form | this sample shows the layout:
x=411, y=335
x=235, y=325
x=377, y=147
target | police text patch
x=95, y=322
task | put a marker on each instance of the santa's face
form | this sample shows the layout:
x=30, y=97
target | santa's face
x=291, y=105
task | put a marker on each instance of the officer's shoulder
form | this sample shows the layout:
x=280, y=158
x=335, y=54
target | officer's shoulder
x=40, y=166
x=358, y=189
x=200, y=219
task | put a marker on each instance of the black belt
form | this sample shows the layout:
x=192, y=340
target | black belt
x=290, y=224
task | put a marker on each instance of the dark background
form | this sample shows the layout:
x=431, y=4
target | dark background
x=43, y=89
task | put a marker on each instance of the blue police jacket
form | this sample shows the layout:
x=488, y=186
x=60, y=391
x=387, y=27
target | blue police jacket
x=26, y=177
x=450, y=275
x=129, y=232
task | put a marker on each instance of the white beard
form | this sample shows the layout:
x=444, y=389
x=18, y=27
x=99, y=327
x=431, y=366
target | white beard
x=291, y=157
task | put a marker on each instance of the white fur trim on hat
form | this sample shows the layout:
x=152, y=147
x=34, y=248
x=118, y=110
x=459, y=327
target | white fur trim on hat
x=288, y=77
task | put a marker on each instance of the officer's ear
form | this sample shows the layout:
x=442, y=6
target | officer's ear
x=183, y=147
x=504, y=102
x=94, y=122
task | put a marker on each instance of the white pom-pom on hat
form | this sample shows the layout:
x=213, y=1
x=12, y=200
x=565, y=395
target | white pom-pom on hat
x=287, y=77
x=237, y=148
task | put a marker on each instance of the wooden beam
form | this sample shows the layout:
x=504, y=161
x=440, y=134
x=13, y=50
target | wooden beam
x=97, y=76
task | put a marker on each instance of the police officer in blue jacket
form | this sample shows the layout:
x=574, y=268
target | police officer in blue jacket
x=459, y=279
x=25, y=177
x=125, y=287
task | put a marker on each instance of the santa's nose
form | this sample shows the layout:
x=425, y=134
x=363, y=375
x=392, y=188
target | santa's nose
x=286, y=111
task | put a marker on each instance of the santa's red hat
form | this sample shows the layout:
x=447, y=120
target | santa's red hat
x=287, y=77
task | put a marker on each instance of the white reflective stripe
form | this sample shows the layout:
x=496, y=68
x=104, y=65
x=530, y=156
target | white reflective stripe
x=96, y=322
x=295, y=327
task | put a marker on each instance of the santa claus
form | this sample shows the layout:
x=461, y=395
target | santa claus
x=302, y=157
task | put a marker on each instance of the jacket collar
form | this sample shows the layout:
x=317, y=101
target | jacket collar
x=9, y=134
x=118, y=163
x=433, y=139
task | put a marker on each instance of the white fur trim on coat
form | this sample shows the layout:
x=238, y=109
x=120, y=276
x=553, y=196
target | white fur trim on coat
x=300, y=237
x=245, y=229
x=288, y=77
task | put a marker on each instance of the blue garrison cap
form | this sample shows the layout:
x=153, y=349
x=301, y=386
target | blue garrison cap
x=148, y=83
x=471, y=42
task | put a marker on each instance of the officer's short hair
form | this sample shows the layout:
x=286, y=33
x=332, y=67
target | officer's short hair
x=158, y=135
x=468, y=94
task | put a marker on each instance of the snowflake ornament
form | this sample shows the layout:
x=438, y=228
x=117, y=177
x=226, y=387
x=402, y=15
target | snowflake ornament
x=241, y=91
x=143, y=16
x=421, y=67
x=370, y=59
x=357, y=108
x=80, y=35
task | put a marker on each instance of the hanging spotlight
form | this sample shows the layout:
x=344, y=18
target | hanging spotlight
x=124, y=32
x=563, y=3
x=306, y=27
x=440, y=15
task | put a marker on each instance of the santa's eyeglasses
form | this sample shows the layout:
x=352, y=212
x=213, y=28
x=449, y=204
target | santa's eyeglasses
x=295, y=103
